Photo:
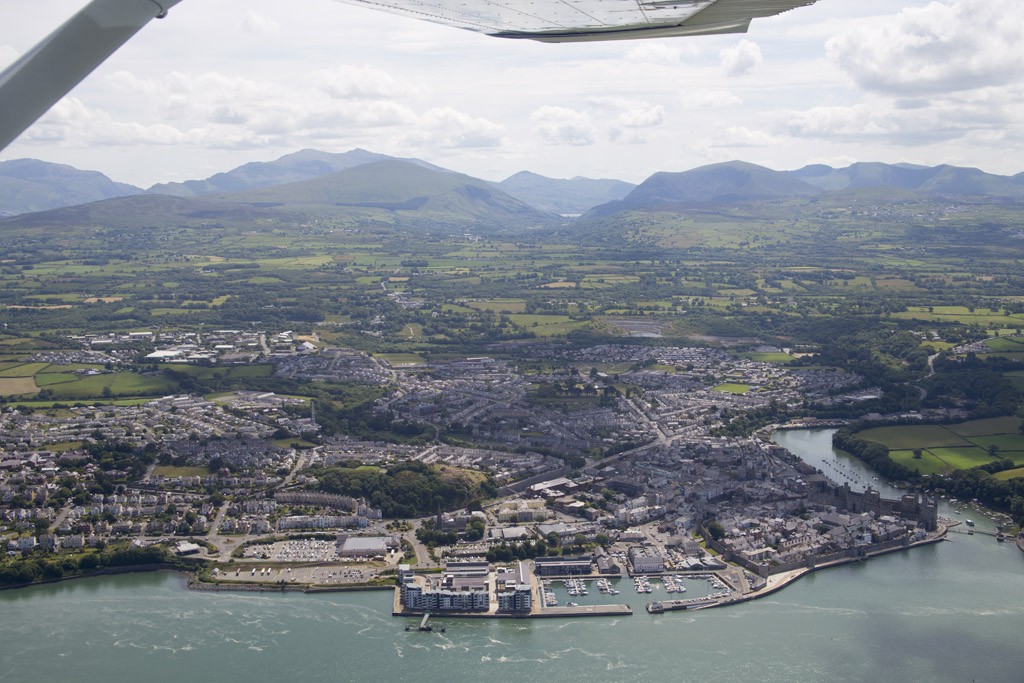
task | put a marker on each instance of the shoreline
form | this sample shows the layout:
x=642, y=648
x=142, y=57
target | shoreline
x=109, y=571
x=784, y=579
x=773, y=584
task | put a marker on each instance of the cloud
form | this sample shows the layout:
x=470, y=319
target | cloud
x=562, y=126
x=659, y=53
x=987, y=115
x=447, y=128
x=629, y=113
x=641, y=117
x=741, y=59
x=72, y=122
x=939, y=48
x=741, y=136
x=709, y=99
x=257, y=23
x=361, y=82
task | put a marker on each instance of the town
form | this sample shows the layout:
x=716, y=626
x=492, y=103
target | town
x=647, y=483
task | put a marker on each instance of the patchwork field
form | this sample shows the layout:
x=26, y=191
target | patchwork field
x=914, y=436
x=951, y=447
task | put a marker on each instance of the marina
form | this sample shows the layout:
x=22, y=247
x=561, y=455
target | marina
x=943, y=613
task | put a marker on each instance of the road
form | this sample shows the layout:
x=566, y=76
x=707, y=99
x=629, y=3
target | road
x=300, y=462
x=61, y=516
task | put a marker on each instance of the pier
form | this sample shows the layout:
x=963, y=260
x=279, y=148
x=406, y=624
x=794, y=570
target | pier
x=584, y=611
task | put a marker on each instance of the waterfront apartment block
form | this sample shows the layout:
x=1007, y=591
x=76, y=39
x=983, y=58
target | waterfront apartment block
x=463, y=589
x=515, y=590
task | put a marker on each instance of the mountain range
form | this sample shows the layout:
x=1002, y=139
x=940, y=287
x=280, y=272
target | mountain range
x=30, y=185
x=362, y=184
x=738, y=181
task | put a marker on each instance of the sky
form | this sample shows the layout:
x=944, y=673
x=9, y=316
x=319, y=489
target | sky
x=219, y=83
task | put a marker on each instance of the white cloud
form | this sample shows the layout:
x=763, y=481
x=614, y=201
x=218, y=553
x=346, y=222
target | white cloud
x=988, y=115
x=942, y=47
x=361, y=82
x=741, y=59
x=447, y=128
x=562, y=126
x=661, y=53
x=71, y=122
x=709, y=99
x=641, y=117
x=741, y=136
x=257, y=23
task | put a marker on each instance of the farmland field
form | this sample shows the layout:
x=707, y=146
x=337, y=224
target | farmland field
x=914, y=436
x=16, y=386
x=927, y=464
x=120, y=384
x=995, y=425
x=171, y=471
x=1006, y=475
x=962, y=458
x=23, y=370
x=400, y=359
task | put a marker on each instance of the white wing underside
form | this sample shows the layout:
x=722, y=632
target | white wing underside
x=558, y=21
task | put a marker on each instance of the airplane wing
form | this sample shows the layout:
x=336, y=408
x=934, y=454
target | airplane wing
x=561, y=21
x=34, y=83
x=47, y=72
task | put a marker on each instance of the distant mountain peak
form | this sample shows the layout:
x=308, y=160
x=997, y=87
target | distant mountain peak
x=29, y=185
x=574, y=196
x=294, y=167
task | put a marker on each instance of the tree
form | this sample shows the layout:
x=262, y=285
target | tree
x=716, y=530
x=475, y=528
x=918, y=453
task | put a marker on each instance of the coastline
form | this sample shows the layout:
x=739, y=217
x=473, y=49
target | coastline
x=108, y=571
x=773, y=584
x=784, y=579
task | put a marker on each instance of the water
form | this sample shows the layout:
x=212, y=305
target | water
x=947, y=612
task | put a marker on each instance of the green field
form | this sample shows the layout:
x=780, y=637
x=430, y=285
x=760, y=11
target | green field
x=499, y=305
x=1017, y=379
x=950, y=447
x=120, y=384
x=45, y=379
x=171, y=471
x=547, y=325
x=995, y=425
x=914, y=436
x=1006, y=475
x=1004, y=442
x=1005, y=344
x=222, y=372
x=777, y=357
x=927, y=464
x=23, y=370
x=733, y=388
x=287, y=443
x=400, y=359
x=962, y=458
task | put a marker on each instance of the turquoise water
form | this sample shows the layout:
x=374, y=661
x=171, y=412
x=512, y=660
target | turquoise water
x=947, y=612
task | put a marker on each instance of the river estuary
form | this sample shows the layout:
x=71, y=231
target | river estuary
x=946, y=612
